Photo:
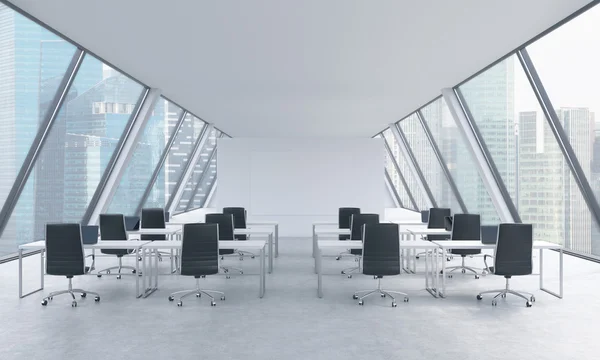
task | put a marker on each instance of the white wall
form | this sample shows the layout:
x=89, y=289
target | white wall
x=299, y=181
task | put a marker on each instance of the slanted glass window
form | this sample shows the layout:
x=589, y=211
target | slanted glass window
x=176, y=161
x=459, y=161
x=33, y=62
x=76, y=152
x=148, y=150
x=426, y=159
x=395, y=178
x=411, y=181
x=567, y=62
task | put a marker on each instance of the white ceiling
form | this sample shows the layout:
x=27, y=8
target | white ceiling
x=288, y=68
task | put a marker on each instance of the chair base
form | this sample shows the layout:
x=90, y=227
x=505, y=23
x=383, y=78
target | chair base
x=72, y=292
x=464, y=269
x=243, y=253
x=350, y=270
x=118, y=268
x=383, y=293
x=198, y=291
x=530, y=299
x=226, y=270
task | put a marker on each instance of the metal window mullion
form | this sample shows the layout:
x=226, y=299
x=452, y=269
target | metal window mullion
x=209, y=193
x=400, y=175
x=202, y=179
x=113, y=159
x=188, y=170
x=161, y=161
x=559, y=133
x=485, y=165
x=440, y=158
x=412, y=164
x=392, y=189
x=42, y=135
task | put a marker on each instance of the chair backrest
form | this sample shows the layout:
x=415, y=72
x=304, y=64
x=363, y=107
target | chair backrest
x=513, y=252
x=239, y=219
x=200, y=249
x=112, y=227
x=153, y=218
x=466, y=227
x=225, y=222
x=356, y=224
x=381, y=249
x=344, y=216
x=64, y=250
x=448, y=223
x=89, y=234
x=489, y=234
x=425, y=216
x=167, y=216
x=437, y=218
x=132, y=223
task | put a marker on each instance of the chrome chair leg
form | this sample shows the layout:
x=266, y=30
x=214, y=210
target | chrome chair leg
x=380, y=291
x=503, y=292
x=72, y=292
x=198, y=291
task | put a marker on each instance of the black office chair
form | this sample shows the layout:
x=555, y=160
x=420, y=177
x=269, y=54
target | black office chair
x=199, y=257
x=425, y=216
x=132, y=223
x=381, y=257
x=344, y=216
x=240, y=216
x=225, y=222
x=465, y=227
x=154, y=218
x=489, y=234
x=356, y=225
x=65, y=257
x=512, y=257
x=436, y=220
x=112, y=228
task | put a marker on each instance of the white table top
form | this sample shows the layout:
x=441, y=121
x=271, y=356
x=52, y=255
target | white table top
x=176, y=244
x=103, y=244
x=253, y=231
x=357, y=244
x=425, y=231
x=325, y=223
x=408, y=222
x=169, y=230
x=262, y=223
x=466, y=244
x=332, y=231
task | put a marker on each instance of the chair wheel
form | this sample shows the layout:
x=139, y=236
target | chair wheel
x=139, y=259
x=355, y=297
x=97, y=299
x=350, y=276
x=83, y=295
x=180, y=304
x=225, y=271
x=252, y=257
x=528, y=304
x=171, y=298
x=503, y=295
x=133, y=271
x=476, y=276
x=241, y=272
x=361, y=302
x=406, y=299
x=463, y=271
x=448, y=259
x=198, y=295
x=44, y=302
x=99, y=276
x=416, y=257
x=337, y=258
x=203, y=276
x=213, y=303
x=532, y=299
x=479, y=297
x=241, y=258
x=394, y=304
x=343, y=272
x=119, y=277
x=375, y=277
x=382, y=295
x=449, y=276
x=74, y=303
x=107, y=272
x=494, y=303
x=227, y=277
x=49, y=298
x=223, y=298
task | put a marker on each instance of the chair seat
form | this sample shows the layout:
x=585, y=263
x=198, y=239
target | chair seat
x=200, y=270
x=356, y=251
x=117, y=252
x=465, y=252
x=226, y=251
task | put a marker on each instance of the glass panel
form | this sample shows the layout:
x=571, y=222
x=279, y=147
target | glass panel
x=427, y=161
x=176, y=161
x=76, y=152
x=33, y=62
x=395, y=178
x=145, y=157
x=190, y=190
x=527, y=155
x=567, y=62
x=206, y=185
x=459, y=161
x=411, y=181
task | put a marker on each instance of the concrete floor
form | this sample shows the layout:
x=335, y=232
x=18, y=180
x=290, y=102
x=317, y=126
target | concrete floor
x=290, y=322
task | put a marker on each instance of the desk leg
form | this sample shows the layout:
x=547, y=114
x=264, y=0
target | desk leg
x=21, y=295
x=443, y=274
x=314, y=241
x=137, y=273
x=318, y=260
x=263, y=278
x=276, y=240
x=560, y=275
x=271, y=253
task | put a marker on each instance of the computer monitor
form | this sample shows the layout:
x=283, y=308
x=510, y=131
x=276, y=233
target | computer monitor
x=89, y=234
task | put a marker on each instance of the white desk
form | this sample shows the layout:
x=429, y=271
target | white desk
x=326, y=231
x=408, y=222
x=537, y=245
x=275, y=225
x=154, y=246
x=354, y=244
x=104, y=244
x=169, y=231
x=257, y=231
x=314, y=232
